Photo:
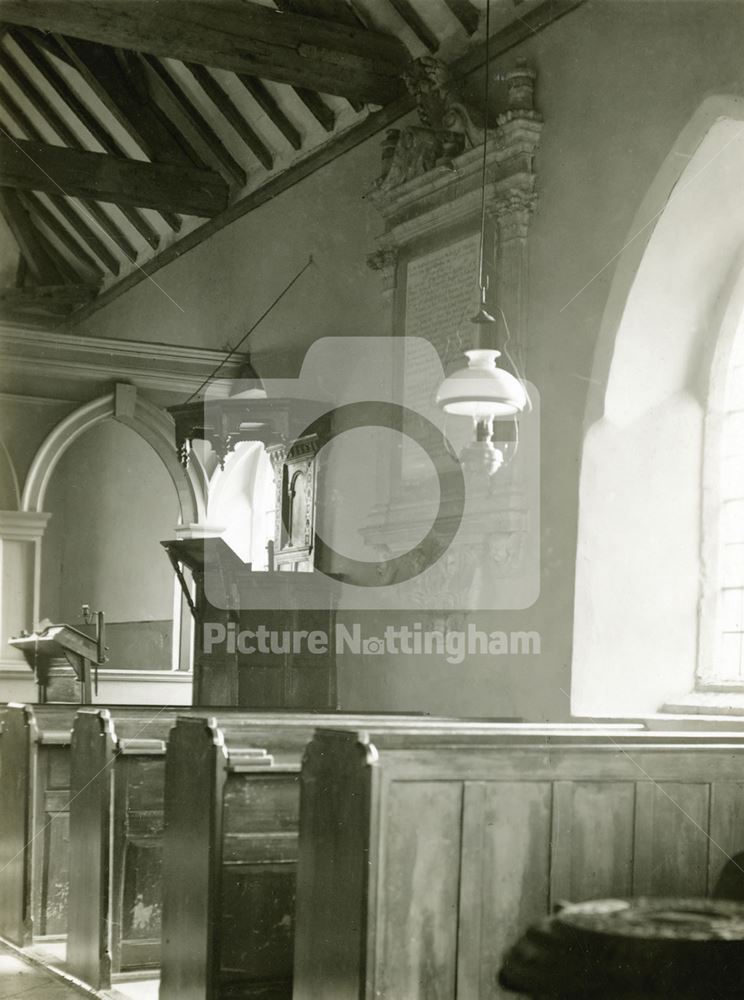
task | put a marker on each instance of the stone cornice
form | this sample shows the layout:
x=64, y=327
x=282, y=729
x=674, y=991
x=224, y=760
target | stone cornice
x=50, y=355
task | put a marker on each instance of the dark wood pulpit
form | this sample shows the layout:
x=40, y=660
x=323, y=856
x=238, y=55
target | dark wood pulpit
x=263, y=639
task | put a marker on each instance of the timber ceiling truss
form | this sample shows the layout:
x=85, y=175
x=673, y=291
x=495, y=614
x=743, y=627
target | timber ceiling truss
x=130, y=130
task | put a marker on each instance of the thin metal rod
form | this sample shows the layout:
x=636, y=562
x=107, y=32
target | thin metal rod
x=245, y=337
x=486, y=94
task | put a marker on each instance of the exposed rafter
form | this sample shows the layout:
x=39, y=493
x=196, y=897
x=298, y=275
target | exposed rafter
x=214, y=148
x=92, y=210
x=63, y=90
x=46, y=218
x=121, y=85
x=466, y=13
x=242, y=37
x=40, y=167
x=417, y=24
x=317, y=107
x=256, y=133
x=30, y=241
x=230, y=112
x=269, y=105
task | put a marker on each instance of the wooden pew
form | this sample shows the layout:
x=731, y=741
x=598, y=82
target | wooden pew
x=421, y=861
x=34, y=819
x=116, y=825
x=229, y=866
x=34, y=793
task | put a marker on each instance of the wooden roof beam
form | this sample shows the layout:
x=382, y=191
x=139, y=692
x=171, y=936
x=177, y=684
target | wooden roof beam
x=317, y=107
x=39, y=167
x=331, y=10
x=41, y=214
x=231, y=113
x=268, y=104
x=466, y=13
x=29, y=239
x=417, y=24
x=239, y=36
x=214, y=148
x=76, y=223
x=135, y=112
x=100, y=134
x=55, y=121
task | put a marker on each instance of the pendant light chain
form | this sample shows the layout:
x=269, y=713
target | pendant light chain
x=486, y=96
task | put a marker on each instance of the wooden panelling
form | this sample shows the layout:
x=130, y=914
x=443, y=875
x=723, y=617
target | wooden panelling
x=88, y=948
x=458, y=849
x=34, y=840
x=514, y=828
x=418, y=902
x=592, y=840
x=51, y=872
x=671, y=837
x=229, y=880
x=15, y=828
x=190, y=865
x=118, y=761
x=726, y=825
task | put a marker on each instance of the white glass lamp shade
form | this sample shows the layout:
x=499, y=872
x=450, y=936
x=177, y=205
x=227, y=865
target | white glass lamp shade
x=482, y=390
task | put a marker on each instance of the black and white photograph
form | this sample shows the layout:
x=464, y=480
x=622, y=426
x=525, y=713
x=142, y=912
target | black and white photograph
x=372, y=499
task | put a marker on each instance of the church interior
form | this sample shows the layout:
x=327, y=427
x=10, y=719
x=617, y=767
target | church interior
x=372, y=499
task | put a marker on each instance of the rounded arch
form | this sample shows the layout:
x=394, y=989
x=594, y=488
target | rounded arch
x=10, y=494
x=638, y=562
x=143, y=417
x=675, y=175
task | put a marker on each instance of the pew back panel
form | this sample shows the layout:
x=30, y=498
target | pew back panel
x=419, y=865
x=116, y=828
x=118, y=759
x=34, y=838
x=243, y=901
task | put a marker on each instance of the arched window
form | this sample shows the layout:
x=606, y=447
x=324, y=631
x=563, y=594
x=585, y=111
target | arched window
x=659, y=599
x=721, y=651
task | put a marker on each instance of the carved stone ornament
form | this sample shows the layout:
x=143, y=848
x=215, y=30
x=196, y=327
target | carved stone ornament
x=432, y=172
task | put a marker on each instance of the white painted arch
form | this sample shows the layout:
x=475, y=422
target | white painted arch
x=152, y=424
x=673, y=298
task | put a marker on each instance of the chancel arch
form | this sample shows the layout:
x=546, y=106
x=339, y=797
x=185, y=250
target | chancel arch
x=129, y=441
x=126, y=405
x=640, y=573
x=111, y=503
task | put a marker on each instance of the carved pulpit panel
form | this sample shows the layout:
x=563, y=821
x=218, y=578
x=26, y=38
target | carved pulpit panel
x=295, y=480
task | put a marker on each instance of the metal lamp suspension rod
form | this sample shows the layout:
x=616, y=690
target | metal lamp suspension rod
x=483, y=314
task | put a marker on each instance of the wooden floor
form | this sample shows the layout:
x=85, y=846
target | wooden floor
x=22, y=977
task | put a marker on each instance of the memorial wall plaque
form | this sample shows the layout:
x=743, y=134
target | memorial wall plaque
x=441, y=295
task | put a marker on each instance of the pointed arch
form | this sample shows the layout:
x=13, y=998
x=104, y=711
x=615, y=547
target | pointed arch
x=150, y=422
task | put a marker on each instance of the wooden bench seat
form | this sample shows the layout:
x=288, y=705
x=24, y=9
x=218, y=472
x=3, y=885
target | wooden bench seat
x=421, y=862
x=116, y=824
x=35, y=760
x=230, y=851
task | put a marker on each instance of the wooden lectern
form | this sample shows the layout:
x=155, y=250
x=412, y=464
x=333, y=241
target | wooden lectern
x=52, y=651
